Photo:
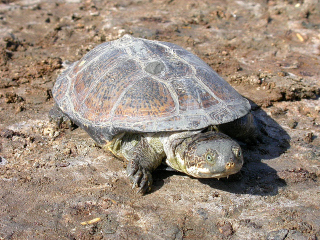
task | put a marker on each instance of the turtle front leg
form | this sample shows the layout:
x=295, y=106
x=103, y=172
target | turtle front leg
x=143, y=157
x=140, y=176
x=142, y=162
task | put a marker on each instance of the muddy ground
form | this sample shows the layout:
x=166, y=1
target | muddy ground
x=53, y=182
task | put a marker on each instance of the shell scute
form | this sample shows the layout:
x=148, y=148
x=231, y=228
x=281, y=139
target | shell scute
x=177, y=69
x=191, y=95
x=190, y=58
x=221, y=114
x=88, y=76
x=142, y=52
x=195, y=121
x=103, y=98
x=154, y=101
x=160, y=50
x=219, y=88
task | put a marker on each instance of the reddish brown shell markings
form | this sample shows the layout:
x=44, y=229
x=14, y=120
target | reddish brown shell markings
x=139, y=85
x=155, y=101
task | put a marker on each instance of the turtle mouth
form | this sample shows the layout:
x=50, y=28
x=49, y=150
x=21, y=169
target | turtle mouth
x=229, y=169
x=214, y=175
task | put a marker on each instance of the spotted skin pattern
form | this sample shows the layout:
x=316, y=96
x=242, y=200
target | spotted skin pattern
x=225, y=156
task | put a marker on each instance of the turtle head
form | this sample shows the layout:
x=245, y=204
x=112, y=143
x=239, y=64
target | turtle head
x=209, y=155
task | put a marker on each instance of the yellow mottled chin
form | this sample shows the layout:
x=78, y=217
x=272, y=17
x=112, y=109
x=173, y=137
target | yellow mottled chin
x=200, y=172
x=206, y=173
x=194, y=171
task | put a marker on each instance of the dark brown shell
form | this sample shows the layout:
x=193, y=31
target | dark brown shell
x=139, y=85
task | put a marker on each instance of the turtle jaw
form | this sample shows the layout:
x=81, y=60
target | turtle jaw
x=205, y=172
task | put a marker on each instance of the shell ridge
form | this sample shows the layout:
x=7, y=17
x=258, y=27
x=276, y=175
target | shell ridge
x=65, y=77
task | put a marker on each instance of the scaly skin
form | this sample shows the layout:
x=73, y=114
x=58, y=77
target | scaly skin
x=207, y=155
x=143, y=157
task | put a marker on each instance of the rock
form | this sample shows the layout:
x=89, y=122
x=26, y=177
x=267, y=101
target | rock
x=13, y=98
x=295, y=235
x=11, y=43
x=277, y=235
x=7, y=133
x=292, y=123
x=225, y=228
x=3, y=161
x=308, y=137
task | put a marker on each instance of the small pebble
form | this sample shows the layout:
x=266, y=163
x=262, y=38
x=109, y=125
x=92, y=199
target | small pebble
x=292, y=123
x=226, y=229
x=94, y=13
x=3, y=161
x=309, y=137
x=20, y=108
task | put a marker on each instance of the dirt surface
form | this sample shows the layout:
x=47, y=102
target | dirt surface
x=58, y=184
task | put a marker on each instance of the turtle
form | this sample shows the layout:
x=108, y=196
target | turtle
x=152, y=102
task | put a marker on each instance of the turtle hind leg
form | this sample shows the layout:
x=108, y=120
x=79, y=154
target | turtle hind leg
x=60, y=119
x=246, y=129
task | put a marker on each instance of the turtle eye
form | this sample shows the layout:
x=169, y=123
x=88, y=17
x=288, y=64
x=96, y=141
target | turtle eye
x=210, y=157
x=236, y=151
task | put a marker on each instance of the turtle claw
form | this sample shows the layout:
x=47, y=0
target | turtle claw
x=132, y=168
x=140, y=177
x=145, y=182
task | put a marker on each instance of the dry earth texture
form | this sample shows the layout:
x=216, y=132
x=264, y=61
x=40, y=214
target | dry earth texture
x=58, y=184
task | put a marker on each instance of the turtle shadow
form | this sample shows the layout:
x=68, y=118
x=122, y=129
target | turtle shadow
x=256, y=176
x=254, y=179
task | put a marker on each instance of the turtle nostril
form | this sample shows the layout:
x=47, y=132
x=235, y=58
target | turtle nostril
x=229, y=165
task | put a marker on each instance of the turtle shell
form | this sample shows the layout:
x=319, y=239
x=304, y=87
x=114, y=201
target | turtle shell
x=138, y=85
